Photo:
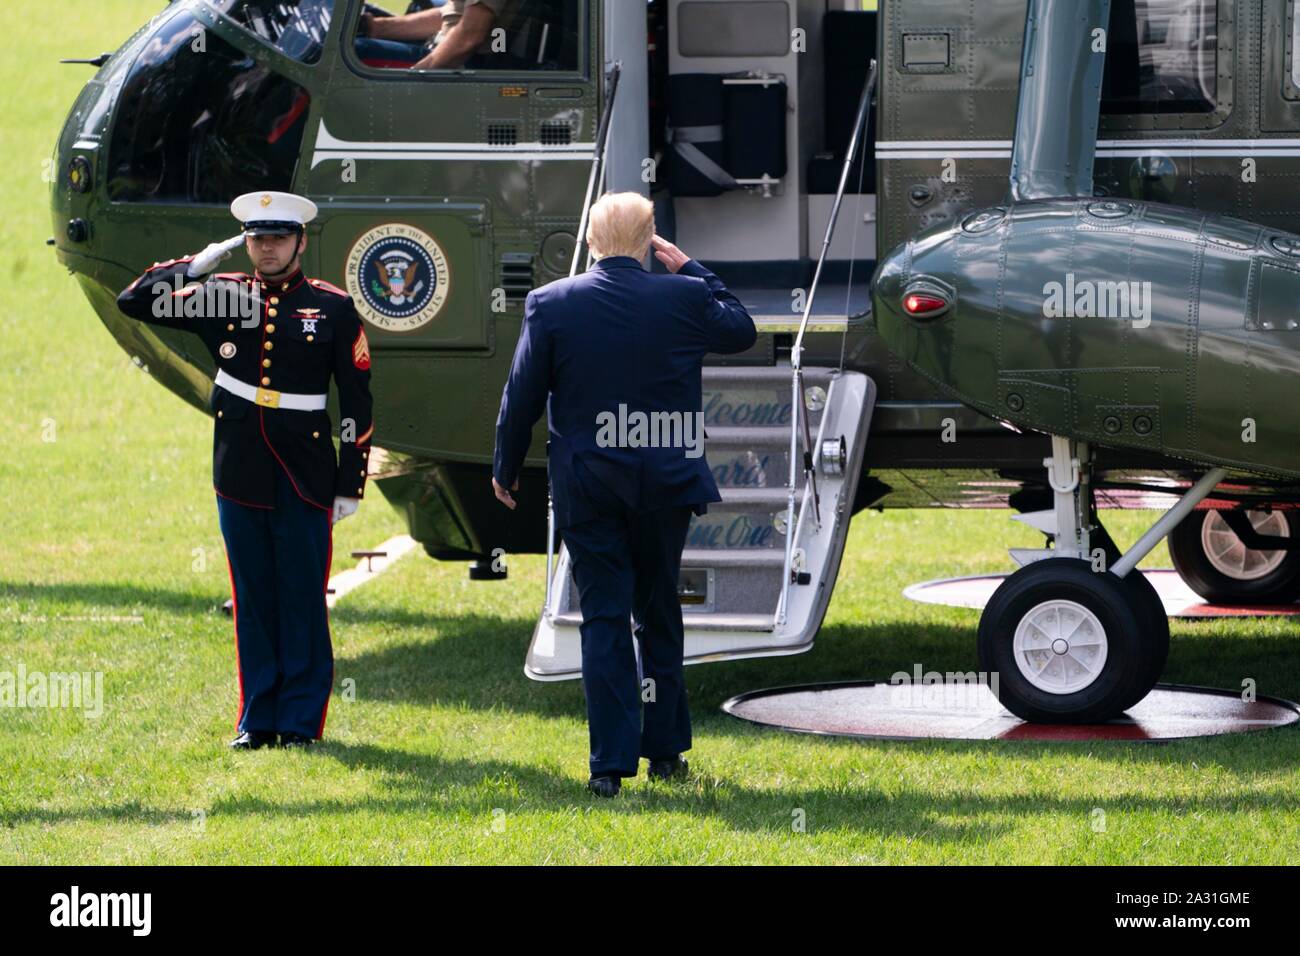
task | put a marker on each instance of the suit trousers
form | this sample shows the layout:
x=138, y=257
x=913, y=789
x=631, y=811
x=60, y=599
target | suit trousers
x=625, y=564
x=279, y=568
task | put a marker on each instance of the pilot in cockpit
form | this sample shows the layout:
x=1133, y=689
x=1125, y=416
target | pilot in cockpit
x=445, y=37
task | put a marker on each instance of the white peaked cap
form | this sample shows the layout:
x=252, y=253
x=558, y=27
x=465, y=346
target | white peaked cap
x=270, y=212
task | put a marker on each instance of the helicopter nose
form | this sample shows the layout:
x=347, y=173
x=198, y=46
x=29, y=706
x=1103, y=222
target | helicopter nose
x=916, y=304
x=910, y=303
x=887, y=286
x=910, y=294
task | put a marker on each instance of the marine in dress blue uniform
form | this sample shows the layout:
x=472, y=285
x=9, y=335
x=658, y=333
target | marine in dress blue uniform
x=619, y=334
x=277, y=341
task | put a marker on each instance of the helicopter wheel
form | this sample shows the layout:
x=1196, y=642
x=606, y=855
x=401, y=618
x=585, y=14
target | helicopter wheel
x=1071, y=645
x=1156, y=629
x=1144, y=592
x=1213, y=562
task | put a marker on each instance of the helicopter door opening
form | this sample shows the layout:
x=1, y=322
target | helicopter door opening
x=752, y=103
x=736, y=91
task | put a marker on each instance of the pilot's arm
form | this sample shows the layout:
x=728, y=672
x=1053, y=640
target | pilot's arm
x=469, y=33
x=523, y=400
x=356, y=424
x=410, y=27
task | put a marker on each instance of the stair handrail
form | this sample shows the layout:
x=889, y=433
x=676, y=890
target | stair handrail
x=798, y=405
x=597, y=174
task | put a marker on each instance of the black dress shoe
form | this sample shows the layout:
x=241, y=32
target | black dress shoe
x=604, y=785
x=291, y=739
x=254, y=740
x=668, y=769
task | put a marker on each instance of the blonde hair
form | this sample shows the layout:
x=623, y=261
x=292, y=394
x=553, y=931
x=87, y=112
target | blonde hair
x=621, y=224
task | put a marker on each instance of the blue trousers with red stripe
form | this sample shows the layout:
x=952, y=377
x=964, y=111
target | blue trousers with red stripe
x=279, y=567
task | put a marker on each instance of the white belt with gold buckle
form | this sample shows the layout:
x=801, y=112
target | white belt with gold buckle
x=269, y=397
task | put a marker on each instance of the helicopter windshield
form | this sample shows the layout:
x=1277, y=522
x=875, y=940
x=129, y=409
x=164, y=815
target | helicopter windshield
x=198, y=120
x=296, y=28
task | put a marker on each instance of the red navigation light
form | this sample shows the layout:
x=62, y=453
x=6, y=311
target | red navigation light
x=923, y=303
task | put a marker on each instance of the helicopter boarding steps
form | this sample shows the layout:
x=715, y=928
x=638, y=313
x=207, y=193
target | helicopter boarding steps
x=730, y=585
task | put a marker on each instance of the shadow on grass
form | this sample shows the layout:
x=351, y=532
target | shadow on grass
x=477, y=659
x=116, y=596
x=476, y=662
x=419, y=783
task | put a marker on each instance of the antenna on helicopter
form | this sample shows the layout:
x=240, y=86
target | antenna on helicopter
x=93, y=61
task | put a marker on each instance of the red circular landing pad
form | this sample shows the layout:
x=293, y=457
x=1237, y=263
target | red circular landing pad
x=955, y=711
x=1178, y=598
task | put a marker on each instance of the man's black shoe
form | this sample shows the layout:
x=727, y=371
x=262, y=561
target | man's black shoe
x=253, y=740
x=668, y=769
x=604, y=785
x=291, y=739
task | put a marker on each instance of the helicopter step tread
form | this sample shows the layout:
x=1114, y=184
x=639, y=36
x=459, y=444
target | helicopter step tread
x=734, y=562
x=752, y=497
x=750, y=456
x=732, y=558
x=695, y=621
x=834, y=300
x=754, y=435
x=744, y=580
x=779, y=375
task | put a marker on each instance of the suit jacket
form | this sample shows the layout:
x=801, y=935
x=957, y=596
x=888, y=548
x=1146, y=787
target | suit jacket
x=609, y=348
x=290, y=336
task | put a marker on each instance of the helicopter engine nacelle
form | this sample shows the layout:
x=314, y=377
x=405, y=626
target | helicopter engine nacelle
x=1124, y=323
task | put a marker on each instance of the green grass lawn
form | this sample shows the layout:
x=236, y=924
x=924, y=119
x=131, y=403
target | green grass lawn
x=111, y=561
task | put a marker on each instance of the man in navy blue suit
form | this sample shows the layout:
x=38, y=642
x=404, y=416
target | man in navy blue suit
x=618, y=351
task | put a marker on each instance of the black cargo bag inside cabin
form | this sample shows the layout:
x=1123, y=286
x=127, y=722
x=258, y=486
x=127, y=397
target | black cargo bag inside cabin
x=720, y=132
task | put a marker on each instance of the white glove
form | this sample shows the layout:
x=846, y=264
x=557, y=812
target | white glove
x=342, y=508
x=205, y=261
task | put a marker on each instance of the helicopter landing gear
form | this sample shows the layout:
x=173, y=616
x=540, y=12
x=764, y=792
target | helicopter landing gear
x=487, y=570
x=1069, y=644
x=1214, y=562
x=1073, y=636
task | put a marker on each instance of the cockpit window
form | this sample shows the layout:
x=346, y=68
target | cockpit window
x=200, y=121
x=296, y=28
x=1161, y=57
x=440, y=35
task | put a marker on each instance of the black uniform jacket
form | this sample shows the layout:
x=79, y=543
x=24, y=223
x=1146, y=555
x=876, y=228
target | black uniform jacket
x=288, y=336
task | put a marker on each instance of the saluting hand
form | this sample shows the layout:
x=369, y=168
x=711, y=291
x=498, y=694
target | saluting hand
x=672, y=257
x=504, y=496
x=205, y=261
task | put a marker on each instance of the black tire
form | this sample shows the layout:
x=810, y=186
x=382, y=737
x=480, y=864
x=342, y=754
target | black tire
x=1281, y=585
x=1144, y=592
x=1133, y=654
x=1156, y=622
x=1148, y=600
